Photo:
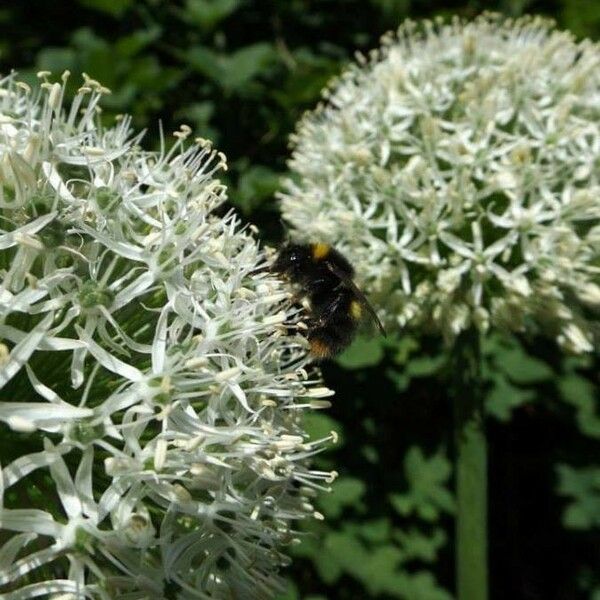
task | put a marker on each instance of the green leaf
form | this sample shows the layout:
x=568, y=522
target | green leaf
x=399, y=378
x=376, y=531
x=346, y=491
x=405, y=347
x=114, y=8
x=363, y=352
x=519, y=366
x=417, y=586
x=134, y=43
x=425, y=366
x=350, y=554
x=413, y=364
x=370, y=453
x=582, y=17
x=417, y=546
x=309, y=76
x=96, y=57
x=256, y=184
x=248, y=63
x=582, y=486
x=236, y=70
x=327, y=566
x=208, y=13
x=582, y=395
x=291, y=592
x=393, y=10
x=504, y=397
x=402, y=503
x=427, y=494
x=56, y=60
x=380, y=569
x=206, y=61
x=376, y=568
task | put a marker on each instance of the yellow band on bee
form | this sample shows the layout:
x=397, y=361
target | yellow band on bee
x=320, y=250
x=355, y=309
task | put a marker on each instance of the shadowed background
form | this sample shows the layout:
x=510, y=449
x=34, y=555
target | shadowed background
x=241, y=72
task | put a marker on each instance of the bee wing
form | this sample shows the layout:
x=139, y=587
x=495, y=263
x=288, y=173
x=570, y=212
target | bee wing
x=361, y=297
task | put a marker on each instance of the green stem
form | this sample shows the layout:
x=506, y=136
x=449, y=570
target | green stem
x=471, y=471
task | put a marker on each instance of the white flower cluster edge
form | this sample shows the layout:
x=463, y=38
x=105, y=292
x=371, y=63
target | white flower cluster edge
x=151, y=393
x=458, y=166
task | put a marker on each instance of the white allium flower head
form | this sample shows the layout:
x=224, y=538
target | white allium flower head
x=151, y=393
x=459, y=168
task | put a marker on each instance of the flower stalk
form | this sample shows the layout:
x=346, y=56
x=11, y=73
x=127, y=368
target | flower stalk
x=471, y=469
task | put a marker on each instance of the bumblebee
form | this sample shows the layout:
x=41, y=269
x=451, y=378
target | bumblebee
x=335, y=304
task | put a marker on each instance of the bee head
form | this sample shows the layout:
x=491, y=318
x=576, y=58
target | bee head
x=292, y=259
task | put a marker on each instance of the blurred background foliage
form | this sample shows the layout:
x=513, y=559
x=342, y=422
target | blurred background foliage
x=241, y=72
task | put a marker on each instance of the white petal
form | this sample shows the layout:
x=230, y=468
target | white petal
x=55, y=180
x=63, y=482
x=108, y=361
x=27, y=564
x=30, y=520
x=15, y=335
x=43, y=390
x=23, y=350
x=23, y=301
x=239, y=393
x=42, y=414
x=43, y=589
x=22, y=466
x=455, y=243
x=84, y=483
x=14, y=546
x=133, y=290
x=160, y=340
x=7, y=240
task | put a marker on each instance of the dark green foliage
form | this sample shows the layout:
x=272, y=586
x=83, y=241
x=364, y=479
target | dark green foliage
x=427, y=495
x=375, y=551
x=241, y=72
x=582, y=487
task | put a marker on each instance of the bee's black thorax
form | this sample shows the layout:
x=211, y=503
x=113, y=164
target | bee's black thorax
x=304, y=263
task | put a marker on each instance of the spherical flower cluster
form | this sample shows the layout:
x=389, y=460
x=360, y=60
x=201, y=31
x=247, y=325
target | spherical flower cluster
x=459, y=168
x=151, y=386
